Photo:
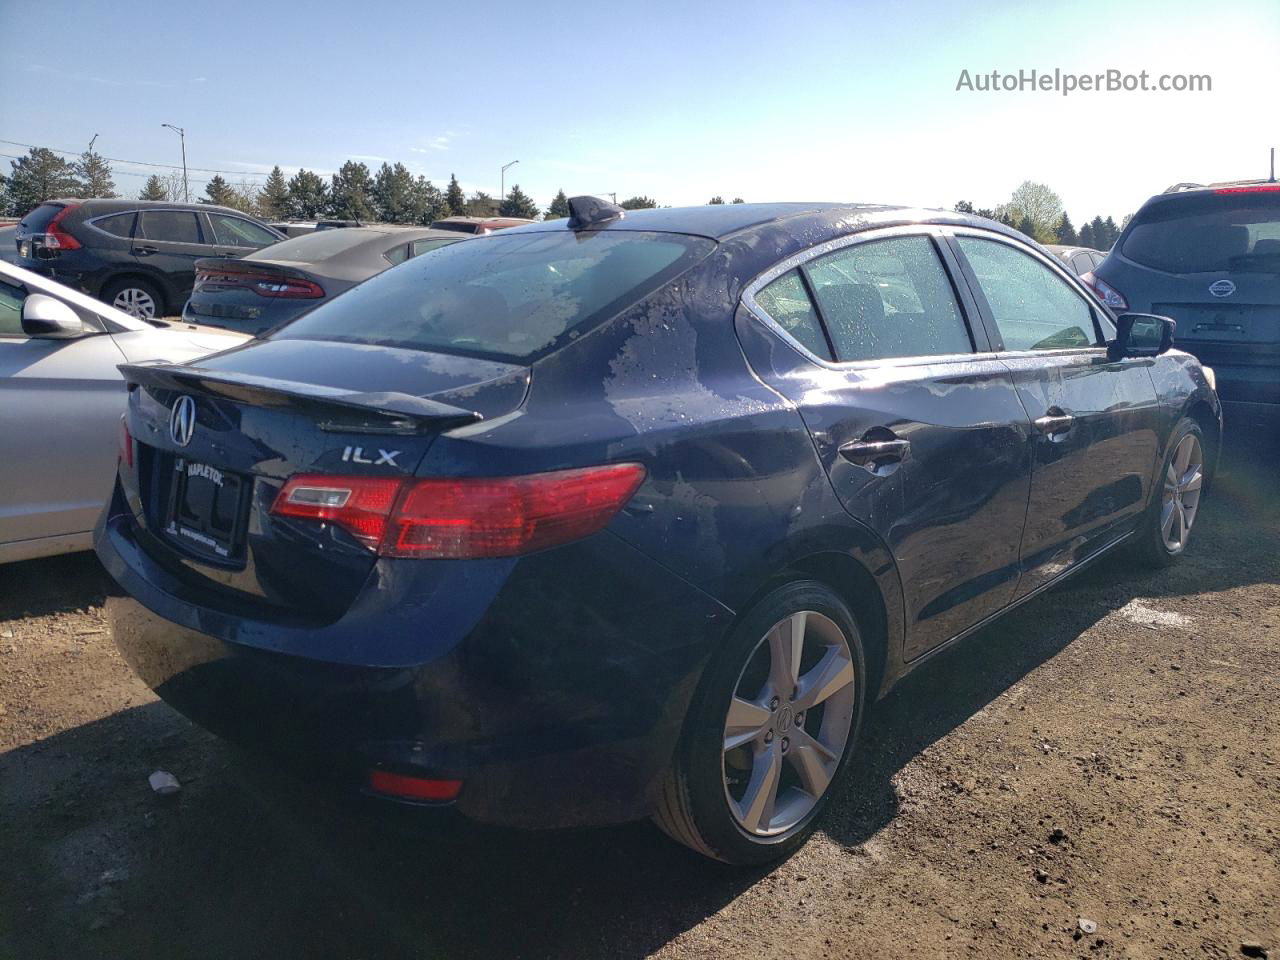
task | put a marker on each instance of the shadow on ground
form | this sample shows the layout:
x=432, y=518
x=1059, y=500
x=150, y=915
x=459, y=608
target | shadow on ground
x=246, y=862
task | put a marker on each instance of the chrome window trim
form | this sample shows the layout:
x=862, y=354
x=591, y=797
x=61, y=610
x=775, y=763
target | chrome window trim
x=762, y=280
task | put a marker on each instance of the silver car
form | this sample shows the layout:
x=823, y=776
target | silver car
x=61, y=399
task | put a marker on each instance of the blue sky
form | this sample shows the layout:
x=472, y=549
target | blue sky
x=677, y=100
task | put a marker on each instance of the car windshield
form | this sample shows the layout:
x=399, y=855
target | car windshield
x=1212, y=233
x=509, y=296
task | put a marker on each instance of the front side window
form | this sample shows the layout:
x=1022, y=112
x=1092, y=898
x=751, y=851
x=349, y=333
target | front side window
x=170, y=226
x=238, y=232
x=1033, y=308
x=787, y=301
x=888, y=298
x=510, y=296
x=11, y=300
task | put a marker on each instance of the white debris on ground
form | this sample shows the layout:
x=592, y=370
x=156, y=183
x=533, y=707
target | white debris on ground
x=164, y=783
x=1137, y=611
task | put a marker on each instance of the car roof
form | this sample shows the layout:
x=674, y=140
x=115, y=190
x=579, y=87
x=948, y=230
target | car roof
x=720, y=221
x=100, y=205
x=1068, y=250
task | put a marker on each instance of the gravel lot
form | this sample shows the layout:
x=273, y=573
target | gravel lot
x=1109, y=752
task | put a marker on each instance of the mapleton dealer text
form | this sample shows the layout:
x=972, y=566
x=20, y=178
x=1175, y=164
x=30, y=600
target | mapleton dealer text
x=1108, y=81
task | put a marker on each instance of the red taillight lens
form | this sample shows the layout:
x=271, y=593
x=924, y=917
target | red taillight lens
x=56, y=236
x=413, y=788
x=126, y=444
x=465, y=517
x=360, y=505
x=263, y=284
x=1106, y=293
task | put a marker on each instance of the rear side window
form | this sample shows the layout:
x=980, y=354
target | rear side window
x=170, y=226
x=510, y=296
x=888, y=298
x=238, y=232
x=429, y=243
x=118, y=224
x=1033, y=308
x=397, y=254
x=787, y=301
x=1208, y=234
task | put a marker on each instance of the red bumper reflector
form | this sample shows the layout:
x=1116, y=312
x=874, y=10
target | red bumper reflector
x=413, y=788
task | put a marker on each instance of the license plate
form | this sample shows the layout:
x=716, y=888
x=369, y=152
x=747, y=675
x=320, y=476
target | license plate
x=207, y=509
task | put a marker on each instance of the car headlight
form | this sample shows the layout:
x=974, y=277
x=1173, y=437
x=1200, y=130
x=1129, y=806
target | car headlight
x=1211, y=377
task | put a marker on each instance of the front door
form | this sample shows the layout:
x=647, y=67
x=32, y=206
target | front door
x=920, y=429
x=1096, y=420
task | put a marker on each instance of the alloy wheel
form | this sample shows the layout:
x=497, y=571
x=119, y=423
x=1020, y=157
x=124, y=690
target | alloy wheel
x=136, y=302
x=1181, y=500
x=788, y=723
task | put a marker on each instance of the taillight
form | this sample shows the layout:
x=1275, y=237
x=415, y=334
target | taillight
x=414, y=788
x=55, y=235
x=263, y=284
x=1106, y=293
x=464, y=517
x=126, y=444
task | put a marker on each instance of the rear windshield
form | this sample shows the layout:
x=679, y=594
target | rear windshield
x=1217, y=233
x=509, y=296
x=311, y=247
x=38, y=219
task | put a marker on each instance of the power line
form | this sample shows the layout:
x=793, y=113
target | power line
x=140, y=163
x=114, y=173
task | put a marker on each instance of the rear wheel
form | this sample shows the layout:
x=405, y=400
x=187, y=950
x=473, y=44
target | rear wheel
x=1176, y=503
x=138, y=298
x=771, y=730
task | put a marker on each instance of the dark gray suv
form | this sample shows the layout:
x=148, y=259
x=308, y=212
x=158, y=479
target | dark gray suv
x=137, y=255
x=1209, y=257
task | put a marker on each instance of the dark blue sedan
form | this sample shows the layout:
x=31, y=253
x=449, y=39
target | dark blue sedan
x=633, y=514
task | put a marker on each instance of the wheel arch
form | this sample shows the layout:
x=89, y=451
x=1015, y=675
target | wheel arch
x=151, y=279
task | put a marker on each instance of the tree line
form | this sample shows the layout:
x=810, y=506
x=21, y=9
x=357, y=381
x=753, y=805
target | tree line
x=1037, y=211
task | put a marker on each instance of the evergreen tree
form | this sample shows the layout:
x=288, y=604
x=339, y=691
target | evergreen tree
x=426, y=202
x=717, y=199
x=1066, y=232
x=1113, y=233
x=219, y=192
x=737, y=200
x=517, y=203
x=39, y=176
x=393, y=194
x=1028, y=226
x=455, y=200
x=641, y=202
x=985, y=212
x=1099, y=233
x=351, y=192
x=963, y=206
x=155, y=189
x=94, y=174
x=480, y=205
x=273, y=201
x=308, y=195
x=559, y=207
x=1086, y=237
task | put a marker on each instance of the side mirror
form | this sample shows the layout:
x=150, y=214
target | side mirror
x=51, y=319
x=1141, y=335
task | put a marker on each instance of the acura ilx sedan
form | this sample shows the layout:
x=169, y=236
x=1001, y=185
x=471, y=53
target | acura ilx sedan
x=632, y=514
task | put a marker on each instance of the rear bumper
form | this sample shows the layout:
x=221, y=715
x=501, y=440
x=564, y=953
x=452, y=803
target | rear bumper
x=559, y=706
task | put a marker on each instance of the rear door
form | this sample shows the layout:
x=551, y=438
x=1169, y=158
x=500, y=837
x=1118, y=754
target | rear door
x=1097, y=420
x=920, y=429
x=169, y=242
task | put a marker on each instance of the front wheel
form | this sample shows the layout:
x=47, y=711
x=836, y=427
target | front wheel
x=1166, y=529
x=770, y=731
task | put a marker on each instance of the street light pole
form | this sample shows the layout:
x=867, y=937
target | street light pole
x=182, y=135
x=502, y=189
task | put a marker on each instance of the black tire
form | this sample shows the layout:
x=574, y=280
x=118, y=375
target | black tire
x=138, y=292
x=1152, y=547
x=694, y=808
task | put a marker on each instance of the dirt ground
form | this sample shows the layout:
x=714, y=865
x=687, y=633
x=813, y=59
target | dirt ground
x=1109, y=752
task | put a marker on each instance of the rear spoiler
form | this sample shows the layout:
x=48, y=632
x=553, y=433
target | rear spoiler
x=347, y=410
x=238, y=265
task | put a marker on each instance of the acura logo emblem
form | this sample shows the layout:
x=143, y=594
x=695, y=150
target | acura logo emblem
x=1222, y=288
x=182, y=422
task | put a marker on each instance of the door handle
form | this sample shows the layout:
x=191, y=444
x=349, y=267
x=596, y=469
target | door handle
x=1054, y=423
x=876, y=456
x=144, y=250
